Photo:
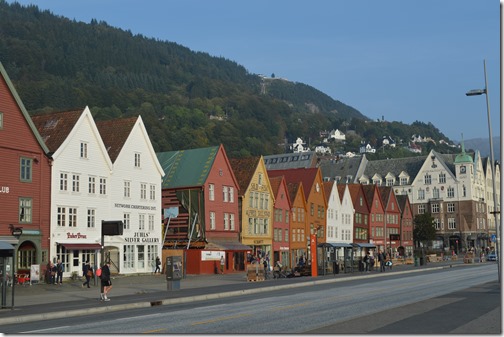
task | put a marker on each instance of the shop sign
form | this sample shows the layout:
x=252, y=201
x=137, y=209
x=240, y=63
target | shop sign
x=4, y=189
x=211, y=255
x=139, y=237
x=76, y=236
x=17, y=231
x=131, y=206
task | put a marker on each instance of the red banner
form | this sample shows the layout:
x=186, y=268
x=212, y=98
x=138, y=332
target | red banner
x=313, y=251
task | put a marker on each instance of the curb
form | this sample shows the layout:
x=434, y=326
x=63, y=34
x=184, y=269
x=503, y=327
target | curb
x=138, y=305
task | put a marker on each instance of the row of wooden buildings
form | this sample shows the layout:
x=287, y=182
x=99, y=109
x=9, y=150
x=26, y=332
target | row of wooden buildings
x=64, y=173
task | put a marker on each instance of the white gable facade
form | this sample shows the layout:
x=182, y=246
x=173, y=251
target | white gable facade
x=136, y=200
x=80, y=194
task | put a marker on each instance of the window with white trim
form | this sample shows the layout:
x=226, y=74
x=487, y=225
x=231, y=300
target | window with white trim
x=72, y=217
x=137, y=159
x=232, y=221
x=226, y=221
x=126, y=220
x=129, y=256
x=91, y=217
x=75, y=183
x=84, y=150
x=450, y=207
x=427, y=179
x=151, y=222
x=91, y=185
x=442, y=178
x=450, y=192
x=127, y=189
x=451, y=223
x=211, y=192
x=231, y=194
x=421, y=194
x=212, y=220
x=225, y=193
x=63, y=181
x=421, y=209
x=152, y=193
x=143, y=191
x=25, y=210
x=61, y=217
x=103, y=186
x=141, y=222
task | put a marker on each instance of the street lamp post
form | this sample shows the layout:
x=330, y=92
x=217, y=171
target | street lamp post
x=477, y=92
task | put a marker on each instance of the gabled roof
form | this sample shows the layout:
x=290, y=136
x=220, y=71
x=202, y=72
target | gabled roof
x=244, y=169
x=369, y=191
x=402, y=201
x=341, y=191
x=114, y=134
x=187, y=168
x=21, y=106
x=304, y=175
x=55, y=127
x=385, y=194
x=410, y=165
x=354, y=192
x=343, y=168
x=275, y=183
x=290, y=160
x=328, y=186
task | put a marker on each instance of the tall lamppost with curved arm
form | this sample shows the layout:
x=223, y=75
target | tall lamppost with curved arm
x=477, y=92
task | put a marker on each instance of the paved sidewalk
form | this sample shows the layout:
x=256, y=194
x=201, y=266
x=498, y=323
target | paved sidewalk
x=44, y=301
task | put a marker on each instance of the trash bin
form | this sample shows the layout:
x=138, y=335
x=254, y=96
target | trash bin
x=422, y=262
x=416, y=261
x=361, y=266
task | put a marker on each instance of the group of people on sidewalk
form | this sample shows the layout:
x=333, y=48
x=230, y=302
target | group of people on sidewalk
x=368, y=261
x=103, y=273
x=54, y=272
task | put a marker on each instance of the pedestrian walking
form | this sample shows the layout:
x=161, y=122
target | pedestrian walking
x=222, y=264
x=106, y=283
x=158, y=265
x=381, y=259
x=88, y=273
x=59, y=272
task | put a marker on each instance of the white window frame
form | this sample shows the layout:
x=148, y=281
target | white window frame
x=127, y=189
x=212, y=220
x=91, y=217
x=211, y=192
x=63, y=181
x=141, y=221
x=137, y=160
x=75, y=183
x=84, y=150
x=143, y=191
x=25, y=210
x=126, y=220
x=91, y=185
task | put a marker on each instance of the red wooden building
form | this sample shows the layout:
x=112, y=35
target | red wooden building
x=201, y=189
x=25, y=174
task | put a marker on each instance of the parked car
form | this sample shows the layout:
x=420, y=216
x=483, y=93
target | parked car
x=491, y=256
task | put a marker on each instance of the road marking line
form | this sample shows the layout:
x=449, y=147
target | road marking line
x=154, y=331
x=221, y=319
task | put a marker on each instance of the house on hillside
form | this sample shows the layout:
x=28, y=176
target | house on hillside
x=299, y=146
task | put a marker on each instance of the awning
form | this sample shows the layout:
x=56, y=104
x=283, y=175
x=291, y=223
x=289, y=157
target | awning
x=226, y=245
x=364, y=245
x=336, y=245
x=81, y=246
x=9, y=239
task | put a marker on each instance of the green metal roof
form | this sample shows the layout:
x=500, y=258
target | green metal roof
x=187, y=168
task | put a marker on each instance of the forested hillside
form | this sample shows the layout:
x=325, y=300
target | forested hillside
x=187, y=99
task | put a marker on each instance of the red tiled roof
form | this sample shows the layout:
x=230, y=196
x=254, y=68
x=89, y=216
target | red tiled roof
x=275, y=184
x=328, y=186
x=114, y=133
x=55, y=127
x=304, y=175
x=243, y=169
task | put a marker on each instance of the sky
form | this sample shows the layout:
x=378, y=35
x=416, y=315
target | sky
x=400, y=60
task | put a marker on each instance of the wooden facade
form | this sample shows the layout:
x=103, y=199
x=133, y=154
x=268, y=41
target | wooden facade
x=25, y=179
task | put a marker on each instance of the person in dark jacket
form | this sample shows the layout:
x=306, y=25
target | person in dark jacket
x=59, y=272
x=158, y=265
x=106, y=283
x=88, y=273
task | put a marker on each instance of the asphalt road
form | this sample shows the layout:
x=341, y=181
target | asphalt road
x=454, y=300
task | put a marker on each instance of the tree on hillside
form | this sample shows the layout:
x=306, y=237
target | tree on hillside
x=423, y=231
